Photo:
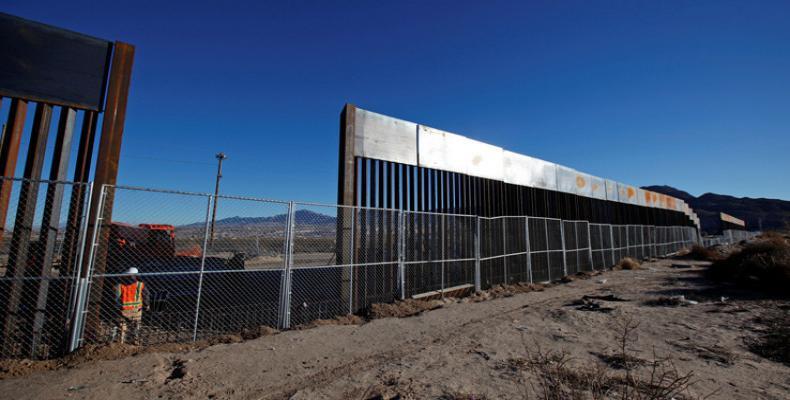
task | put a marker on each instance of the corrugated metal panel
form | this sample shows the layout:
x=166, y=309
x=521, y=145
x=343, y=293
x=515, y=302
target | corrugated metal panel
x=529, y=171
x=450, y=152
x=566, y=179
x=611, y=191
x=385, y=138
x=598, y=187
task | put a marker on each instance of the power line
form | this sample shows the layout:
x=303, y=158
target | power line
x=170, y=160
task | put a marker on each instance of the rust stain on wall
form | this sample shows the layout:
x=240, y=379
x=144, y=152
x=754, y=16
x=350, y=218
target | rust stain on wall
x=580, y=182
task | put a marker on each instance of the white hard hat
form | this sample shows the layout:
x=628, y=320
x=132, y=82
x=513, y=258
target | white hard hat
x=132, y=271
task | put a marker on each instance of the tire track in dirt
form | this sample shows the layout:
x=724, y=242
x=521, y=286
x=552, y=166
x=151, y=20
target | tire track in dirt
x=467, y=328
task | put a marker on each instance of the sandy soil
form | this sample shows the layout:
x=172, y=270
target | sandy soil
x=459, y=350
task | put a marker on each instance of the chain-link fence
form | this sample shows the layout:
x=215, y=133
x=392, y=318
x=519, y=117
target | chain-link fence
x=166, y=266
x=728, y=236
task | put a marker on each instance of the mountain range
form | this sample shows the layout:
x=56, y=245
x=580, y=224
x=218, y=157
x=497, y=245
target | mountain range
x=759, y=213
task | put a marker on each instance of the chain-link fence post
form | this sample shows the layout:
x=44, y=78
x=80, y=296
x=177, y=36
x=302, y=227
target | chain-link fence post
x=202, y=266
x=504, y=250
x=352, y=259
x=442, y=251
x=285, y=282
x=401, y=256
x=81, y=308
x=79, y=283
x=477, y=254
x=562, y=239
x=548, y=246
x=611, y=237
x=589, y=244
x=529, y=255
x=627, y=241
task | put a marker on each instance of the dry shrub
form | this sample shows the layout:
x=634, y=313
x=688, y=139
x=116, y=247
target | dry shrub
x=700, y=253
x=763, y=264
x=631, y=378
x=627, y=263
x=510, y=290
x=400, y=309
x=558, y=378
x=348, y=319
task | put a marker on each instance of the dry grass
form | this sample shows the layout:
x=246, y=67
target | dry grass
x=348, y=319
x=560, y=377
x=400, y=309
x=627, y=263
x=700, y=253
x=763, y=264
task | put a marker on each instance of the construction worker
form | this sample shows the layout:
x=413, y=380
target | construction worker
x=130, y=295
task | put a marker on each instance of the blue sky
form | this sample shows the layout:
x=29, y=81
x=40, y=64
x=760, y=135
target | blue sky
x=691, y=94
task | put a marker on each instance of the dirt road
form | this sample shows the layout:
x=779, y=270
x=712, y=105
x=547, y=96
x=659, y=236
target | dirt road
x=463, y=350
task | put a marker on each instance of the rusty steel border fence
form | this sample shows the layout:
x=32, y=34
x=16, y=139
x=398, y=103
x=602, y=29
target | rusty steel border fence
x=279, y=264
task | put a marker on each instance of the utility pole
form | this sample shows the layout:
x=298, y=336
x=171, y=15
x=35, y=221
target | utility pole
x=220, y=156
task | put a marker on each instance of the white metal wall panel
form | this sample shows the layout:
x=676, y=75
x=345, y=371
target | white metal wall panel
x=611, y=191
x=651, y=198
x=385, y=138
x=627, y=193
x=450, y=152
x=529, y=171
x=583, y=184
x=641, y=198
x=598, y=187
x=566, y=179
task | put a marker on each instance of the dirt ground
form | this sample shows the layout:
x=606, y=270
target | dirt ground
x=463, y=349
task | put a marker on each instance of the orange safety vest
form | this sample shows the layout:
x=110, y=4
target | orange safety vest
x=131, y=296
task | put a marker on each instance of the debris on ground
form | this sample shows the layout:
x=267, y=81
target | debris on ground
x=586, y=304
x=605, y=297
x=671, y=301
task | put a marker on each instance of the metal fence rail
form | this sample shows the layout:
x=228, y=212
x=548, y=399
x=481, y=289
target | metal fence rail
x=728, y=236
x=282, y=264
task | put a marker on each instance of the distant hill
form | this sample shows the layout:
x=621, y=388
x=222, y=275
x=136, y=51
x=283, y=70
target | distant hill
x=303, y=219
x=772, y=213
